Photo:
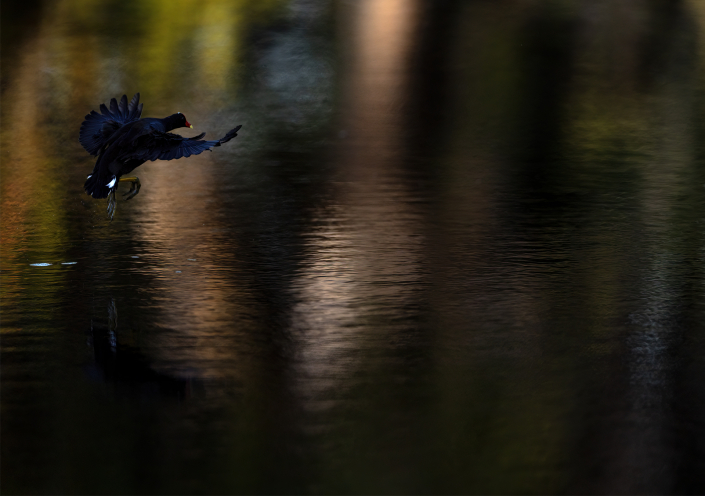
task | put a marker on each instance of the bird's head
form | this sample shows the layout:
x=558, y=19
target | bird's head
x=182, y=118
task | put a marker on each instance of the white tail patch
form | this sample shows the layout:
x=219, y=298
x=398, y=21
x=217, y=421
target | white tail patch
x=89, y=176
x=112, y=183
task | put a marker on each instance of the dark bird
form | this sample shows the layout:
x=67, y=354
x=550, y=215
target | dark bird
x=122, y=141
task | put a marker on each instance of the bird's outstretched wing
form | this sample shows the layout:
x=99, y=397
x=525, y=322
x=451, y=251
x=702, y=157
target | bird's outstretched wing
x=97, y=128
x=168, y=146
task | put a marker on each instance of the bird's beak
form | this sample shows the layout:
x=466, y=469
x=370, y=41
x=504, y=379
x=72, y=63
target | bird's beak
x=191, y=126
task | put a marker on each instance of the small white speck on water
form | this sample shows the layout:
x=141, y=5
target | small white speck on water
x=69, y=263
x=178, y=271
x=40, y=264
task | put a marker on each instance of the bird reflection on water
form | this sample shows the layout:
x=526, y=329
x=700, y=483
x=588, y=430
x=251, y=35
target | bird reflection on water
x=127, y=367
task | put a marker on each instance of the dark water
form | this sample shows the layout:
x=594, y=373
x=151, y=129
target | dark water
x=458, y=247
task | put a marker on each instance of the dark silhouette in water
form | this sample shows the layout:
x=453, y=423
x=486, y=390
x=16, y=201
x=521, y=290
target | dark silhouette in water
x=128, y=368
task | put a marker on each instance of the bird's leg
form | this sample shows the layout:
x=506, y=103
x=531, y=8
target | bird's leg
x=134, y=189
x=112, y=204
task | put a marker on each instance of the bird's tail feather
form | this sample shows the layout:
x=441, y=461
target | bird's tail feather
x=95, y=187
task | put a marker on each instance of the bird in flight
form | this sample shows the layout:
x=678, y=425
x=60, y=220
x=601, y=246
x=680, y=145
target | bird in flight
x=122, y=141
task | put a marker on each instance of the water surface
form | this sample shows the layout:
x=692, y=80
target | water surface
x=457, y=247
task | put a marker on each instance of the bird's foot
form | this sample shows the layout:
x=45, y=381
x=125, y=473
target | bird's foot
x=134, y=188
x=112, y=204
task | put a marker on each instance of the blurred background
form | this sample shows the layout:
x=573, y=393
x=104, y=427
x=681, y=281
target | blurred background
x=457, y=247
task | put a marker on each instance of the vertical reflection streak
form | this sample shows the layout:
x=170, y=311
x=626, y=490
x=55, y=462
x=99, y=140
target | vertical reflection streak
x=364, y=265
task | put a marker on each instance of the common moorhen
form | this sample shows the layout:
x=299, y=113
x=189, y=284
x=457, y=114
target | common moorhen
x=122, y=141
